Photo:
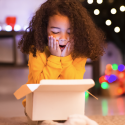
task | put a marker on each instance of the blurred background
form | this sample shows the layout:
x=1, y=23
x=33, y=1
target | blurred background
x=108, y=72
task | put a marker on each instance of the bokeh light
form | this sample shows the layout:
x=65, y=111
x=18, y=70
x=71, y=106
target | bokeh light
x=99, y=1
x=122, y=8
x=114, y=66
x=96, y=12
x=104, y=85
x=121, y=75
x=121, y=67
x=90, y=1
x=117, y=29
x=112, y=78
x=17, y=27
x=0, y=28
x=113, y=11
x=109, y=67
x=108, y=22
x=86, y=96
x=110, y=1
x=120, y=91
x=8, y=28
x=102, y=79
x=107, y=77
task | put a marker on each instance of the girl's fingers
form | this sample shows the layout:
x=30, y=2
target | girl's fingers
x=51, y=41
x=57, y=45
x=54, y=43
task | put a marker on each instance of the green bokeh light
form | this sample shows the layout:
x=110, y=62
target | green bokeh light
x=114, y=66
x=86, y=96
x=104, y=85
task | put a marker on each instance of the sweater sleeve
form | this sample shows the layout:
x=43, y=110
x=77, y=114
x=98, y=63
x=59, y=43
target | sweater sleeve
x=41, y=70
x=72, y=69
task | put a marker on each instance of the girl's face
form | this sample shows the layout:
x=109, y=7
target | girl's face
x=59, y=27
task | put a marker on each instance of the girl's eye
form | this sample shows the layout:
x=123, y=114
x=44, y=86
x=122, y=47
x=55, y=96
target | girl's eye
x=55, y=32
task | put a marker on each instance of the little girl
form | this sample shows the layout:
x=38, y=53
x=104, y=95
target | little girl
x=60, y=38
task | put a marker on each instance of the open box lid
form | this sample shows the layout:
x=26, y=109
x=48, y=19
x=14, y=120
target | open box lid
x=79, y=85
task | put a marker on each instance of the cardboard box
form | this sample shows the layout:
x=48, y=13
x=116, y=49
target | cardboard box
x=54, y=99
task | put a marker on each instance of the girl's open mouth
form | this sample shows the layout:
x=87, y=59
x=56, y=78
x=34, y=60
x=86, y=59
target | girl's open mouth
x=62, y=47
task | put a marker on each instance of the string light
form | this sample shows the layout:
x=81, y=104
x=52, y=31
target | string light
x=108, y=22
x=99, y=1
x=90, y=1
x=96, y=12
x=113, y=11
x=117, y=29
x=122, y=8
x=17, y=27
x=0, y=28
x=8, y=28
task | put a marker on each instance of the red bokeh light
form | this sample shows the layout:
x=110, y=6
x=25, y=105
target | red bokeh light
x=120, y=91
x=102, y=79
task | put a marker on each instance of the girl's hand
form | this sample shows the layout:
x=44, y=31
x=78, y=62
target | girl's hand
x=67, y=51
x=54, y=46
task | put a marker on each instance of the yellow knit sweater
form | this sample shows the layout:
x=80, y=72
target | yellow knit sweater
x=47, y=66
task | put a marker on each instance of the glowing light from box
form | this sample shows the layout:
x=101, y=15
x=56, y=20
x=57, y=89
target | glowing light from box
x=17, y=27
x=99, y=1
x=117, y=29
x=112, y=78
x=104, y=107
x=104, y=85
x=113, y=11
x=122, y=8
x=8, y=28
x=120, y=91
x=90, y=1
x=114, y=66
x=0, y=28
x=109, y=67
x=121, y=67
x=96, y=12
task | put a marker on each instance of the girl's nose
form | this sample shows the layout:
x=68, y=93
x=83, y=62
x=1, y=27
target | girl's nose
x=63, y=37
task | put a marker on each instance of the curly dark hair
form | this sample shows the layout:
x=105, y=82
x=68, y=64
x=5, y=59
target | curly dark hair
x=89, y=40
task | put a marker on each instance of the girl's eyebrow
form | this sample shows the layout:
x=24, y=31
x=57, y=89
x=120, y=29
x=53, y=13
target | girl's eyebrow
x=57, y=27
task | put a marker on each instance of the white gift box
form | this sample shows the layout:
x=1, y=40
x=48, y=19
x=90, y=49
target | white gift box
x=54, y=99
